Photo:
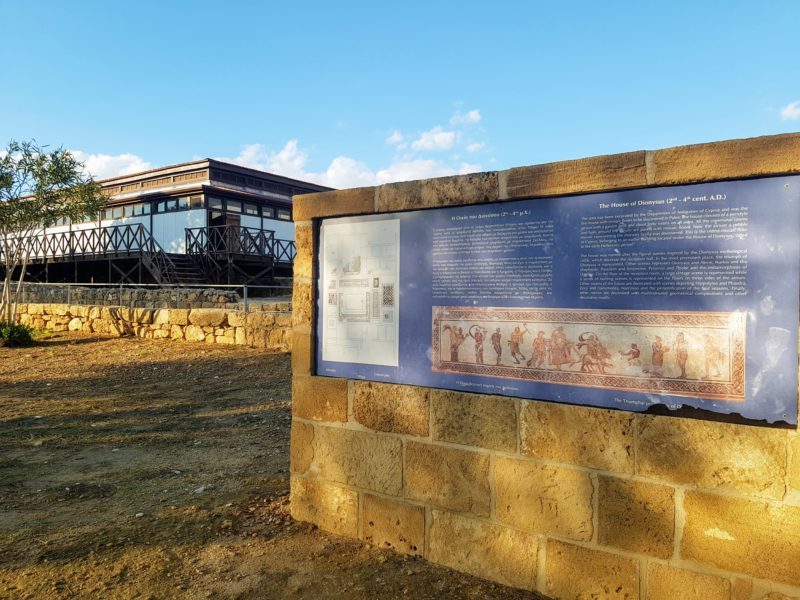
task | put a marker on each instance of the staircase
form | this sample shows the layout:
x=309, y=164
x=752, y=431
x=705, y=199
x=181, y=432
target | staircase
x=185, y=271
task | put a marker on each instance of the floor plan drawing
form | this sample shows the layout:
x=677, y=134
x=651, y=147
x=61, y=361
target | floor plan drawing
x=359, y=268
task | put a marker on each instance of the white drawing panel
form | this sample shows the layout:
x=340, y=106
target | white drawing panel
x=360, y=274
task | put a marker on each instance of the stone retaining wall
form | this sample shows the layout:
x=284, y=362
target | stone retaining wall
x=570, y=501
x=260, y=328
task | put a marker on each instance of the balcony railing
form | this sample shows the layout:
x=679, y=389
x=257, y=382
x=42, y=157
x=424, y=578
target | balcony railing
x=234, y=239
x=102, y=242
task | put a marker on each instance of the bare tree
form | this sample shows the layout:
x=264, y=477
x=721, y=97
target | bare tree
x=37, y=188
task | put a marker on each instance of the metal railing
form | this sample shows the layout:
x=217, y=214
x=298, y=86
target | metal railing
x=238, y=297
x=96, y=242
x=235, y=239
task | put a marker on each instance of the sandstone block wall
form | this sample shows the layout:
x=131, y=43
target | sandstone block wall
x=267, y=326
x=571, y=501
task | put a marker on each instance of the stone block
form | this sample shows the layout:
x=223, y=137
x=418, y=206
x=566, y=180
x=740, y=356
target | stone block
x=355, y=201
x=319, y=398
x=447, y=477
x=302, y=303
x=392, y=524
x=258, y=329
x=359, y=459
x=612, y=172
x=329, y=507
x=35, y=309
x=304, y=243
x=578, y=572
x=58, y=309
x=260, y=320
x=667, y=583
x=636, y=516
x=301, y=449
x=745, y=536
x=302, y=353
x=741, y=589
x=142, y=315
x=542, y=499
x=237, y=318
x=578, y=435
x=474, y=420
x=179, y=316
x=767, y=155
x=76, y=310
x=241, y=336
x=283, y=320
x=205, y=317
x=442, y=191
x=390, y=407
x=483, y=549
x=75, y=324
x=748, y=460
x=794, y=468
x=176, y=332
x=161, y=316
x=277, y=340
x=195, y=333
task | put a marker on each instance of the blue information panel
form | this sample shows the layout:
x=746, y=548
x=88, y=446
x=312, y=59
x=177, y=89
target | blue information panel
x=678, y=300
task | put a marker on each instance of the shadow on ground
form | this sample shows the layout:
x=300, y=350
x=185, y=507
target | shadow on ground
x=157, y=469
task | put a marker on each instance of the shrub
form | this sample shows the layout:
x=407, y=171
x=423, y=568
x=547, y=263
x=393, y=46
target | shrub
x=13, y=334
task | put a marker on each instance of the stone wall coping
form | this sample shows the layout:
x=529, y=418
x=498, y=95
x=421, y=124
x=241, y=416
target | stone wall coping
x=763, y=156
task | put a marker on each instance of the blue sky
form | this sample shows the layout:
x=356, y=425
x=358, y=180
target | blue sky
x=356, y=93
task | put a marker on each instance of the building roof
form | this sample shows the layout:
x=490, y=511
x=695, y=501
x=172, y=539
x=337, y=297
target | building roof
x=205, y=173
x=208, y=163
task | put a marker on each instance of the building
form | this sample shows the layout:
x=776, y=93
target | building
x=204, y=221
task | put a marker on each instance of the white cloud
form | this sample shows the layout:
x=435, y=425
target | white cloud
x=791, y=111
x=103, y=166
x=435, y=139
x=395, y=138
x=473, y=116
x=476, y=147
x=343, y=171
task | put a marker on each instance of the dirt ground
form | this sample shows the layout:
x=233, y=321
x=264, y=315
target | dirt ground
x=155, y=469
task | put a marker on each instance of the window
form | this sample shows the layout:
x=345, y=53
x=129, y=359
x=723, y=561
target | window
x=215, y=204
x=269, y=213
x=251, y=209
x=140, y=209
x=234, y=206
x=196, y=201
x=284, y=214
x=128, y=210
x=167, y=205
x=183, y=203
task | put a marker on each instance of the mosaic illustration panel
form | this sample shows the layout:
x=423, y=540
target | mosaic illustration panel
x=694, y=354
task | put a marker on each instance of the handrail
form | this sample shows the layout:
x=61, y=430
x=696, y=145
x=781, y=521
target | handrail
x=111, y=240
x=235, y=239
